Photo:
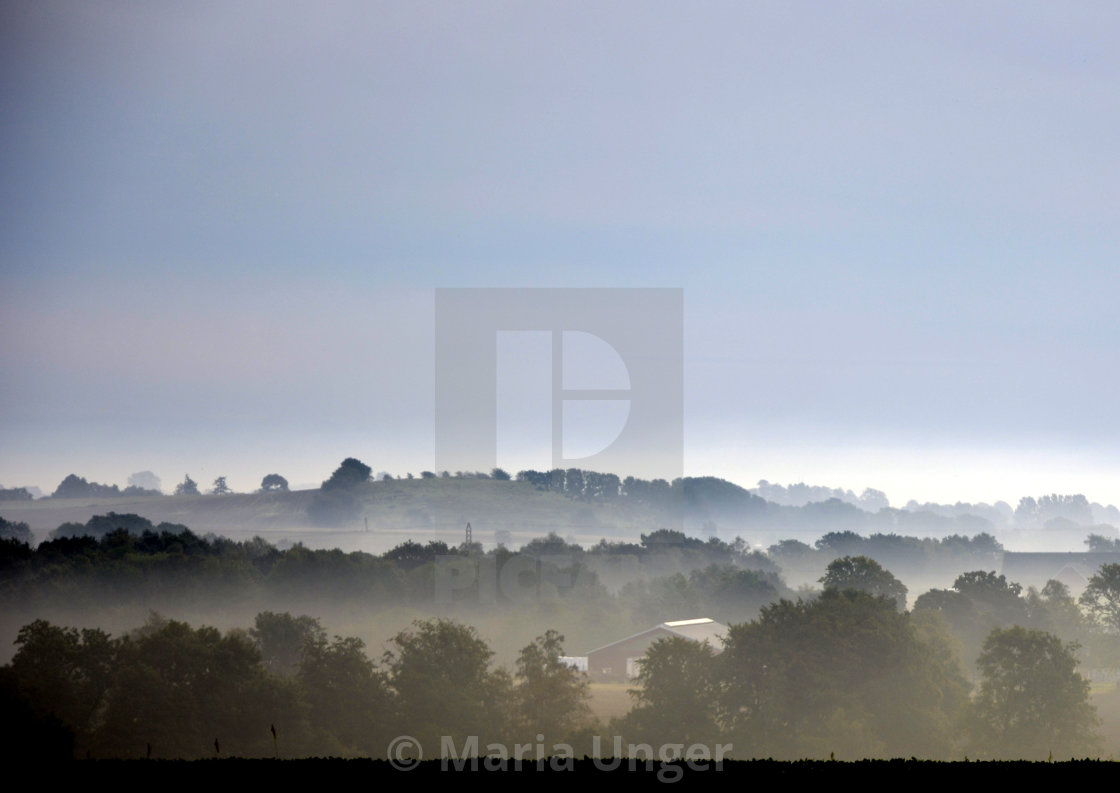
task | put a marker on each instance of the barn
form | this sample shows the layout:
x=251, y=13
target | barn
x=617, y=661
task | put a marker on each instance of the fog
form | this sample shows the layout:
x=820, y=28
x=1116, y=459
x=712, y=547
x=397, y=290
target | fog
x=799, y=319
x=362, y=572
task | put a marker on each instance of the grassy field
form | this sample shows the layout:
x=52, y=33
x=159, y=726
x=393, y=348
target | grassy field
x=610, y=700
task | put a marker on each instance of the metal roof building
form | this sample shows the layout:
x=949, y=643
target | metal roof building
x=617, y=660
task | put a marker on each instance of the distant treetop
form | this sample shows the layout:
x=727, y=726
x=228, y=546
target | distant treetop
x=188, y=487
x=274, y=483
x=350, y=473
x=75, y=486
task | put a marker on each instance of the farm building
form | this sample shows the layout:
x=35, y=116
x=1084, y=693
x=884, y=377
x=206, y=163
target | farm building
x=617, y=661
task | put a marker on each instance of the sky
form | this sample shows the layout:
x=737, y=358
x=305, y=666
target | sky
x=893, y=225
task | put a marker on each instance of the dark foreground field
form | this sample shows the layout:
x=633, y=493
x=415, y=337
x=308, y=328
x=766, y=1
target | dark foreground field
x=741, y=775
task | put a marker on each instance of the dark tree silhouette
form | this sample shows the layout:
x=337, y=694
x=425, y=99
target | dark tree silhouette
x=350, y=473
x=273, y=483
x=866, y=575
x=188, y=487
x=1032, y=703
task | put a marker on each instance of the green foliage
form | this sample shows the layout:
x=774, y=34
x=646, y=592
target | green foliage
x=74, y=486
x=102, y=525
x=166, y=685
x=899, y=553
x=15, y=530
x=273, y=483
x=846, y=673
x=724, y=592
x=188, y=487
x=410, y=555
x=551, y=545
x=64, y=673
x=220, y=487
x=1101, y=598
x=15, y=494
x=550, y=696
x=1098, y=543
x=144, y=482
x=282, y=640
x=179, y=688
x=337, y=503
x=865, y=575
x=350, y=473
x=348, y=697
x=1055, y=611
x=978, y=603
x=439, y=672
x=677, y=695
x=1032, y=703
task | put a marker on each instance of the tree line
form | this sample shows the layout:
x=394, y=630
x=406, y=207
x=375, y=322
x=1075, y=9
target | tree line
x=846, y=675
x=282, y=688
x=849, y=676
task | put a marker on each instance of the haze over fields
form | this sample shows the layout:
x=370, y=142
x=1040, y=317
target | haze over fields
x=785, y=332
x=893, y=228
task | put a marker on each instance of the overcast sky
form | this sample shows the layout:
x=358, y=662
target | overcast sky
x=894, y=224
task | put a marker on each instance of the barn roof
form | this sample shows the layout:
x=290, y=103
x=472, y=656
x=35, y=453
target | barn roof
x=698, y=630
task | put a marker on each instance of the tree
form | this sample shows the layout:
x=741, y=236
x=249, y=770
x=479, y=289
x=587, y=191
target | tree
x=1002, y=597
x=348, y=696
x=1098, y=543
x=145, y=480
x=178, y=688
x=872, y=500
x=440, y=674
x=1032, y=703
x=188, y=487
x=846, y=673
x=338, y=503
x=273, y=483
x=551, y=696
x=1101, y=597
x=15, y=530
x=15, y=494
x=677, y=695
x=865, y=575
x=65, y=672
x=74, y=486
x=220, y=487
x=981, y=601
x=349, y=473
x=1055, y=610
x=282, y=640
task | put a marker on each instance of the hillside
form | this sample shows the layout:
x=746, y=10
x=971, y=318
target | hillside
x=395, y=510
